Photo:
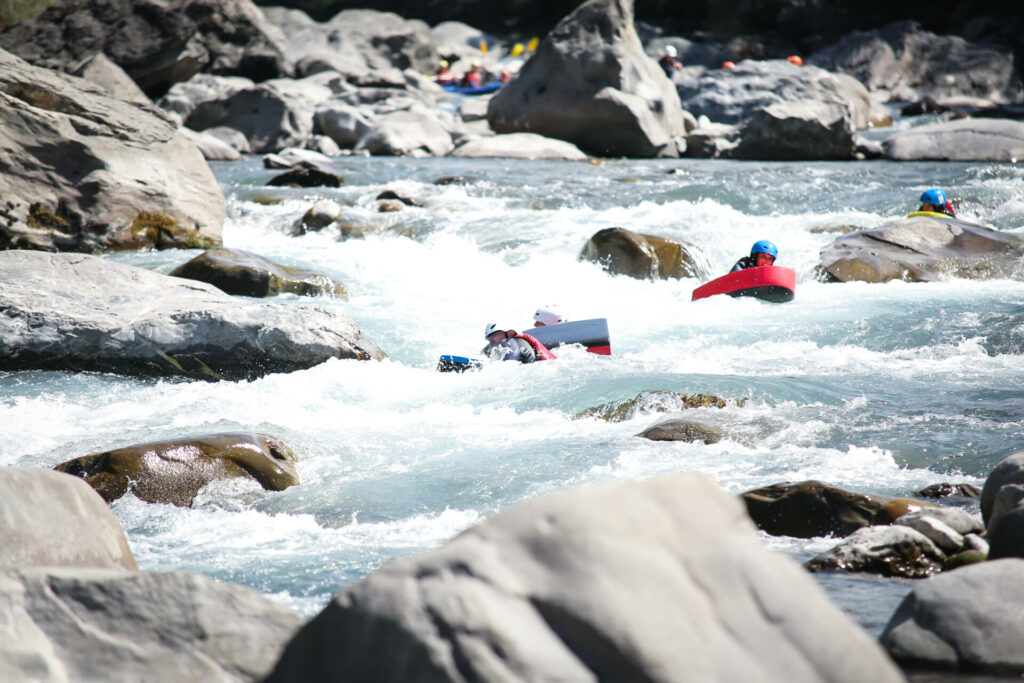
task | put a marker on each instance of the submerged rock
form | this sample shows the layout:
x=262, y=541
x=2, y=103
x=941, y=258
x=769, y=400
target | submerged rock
x=244, y=273
x=886, y=550
x=48, y=519
x=83, y=171
x=623, y=252
x=590, y=83
x=174, y=471
x=996, y=140
x=947, y=490
x=962, y=621
x=304, y=175
x=810, y=509
x=83, y=313
x=922, y=249
x=103, y=624
x=683, y=430
x=653, y=402
x=640, y=581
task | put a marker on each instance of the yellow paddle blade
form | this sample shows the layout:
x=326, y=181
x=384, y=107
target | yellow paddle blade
x=516, y=50
x=483, y=47
x=532, y=45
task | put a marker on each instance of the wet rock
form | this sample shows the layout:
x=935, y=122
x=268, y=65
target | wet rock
x=896, y=551
x=683, y=430
x=519, y=146
x=455, y=180
x=965, y=558
x=623, y=252
x=947, y=539
x=392, y=195
x=105, y=624
x=1009, y=471
x=957, y=519
x=174, y=471
x=1006, y=538
x=406, y=133
x=810, y=509
x=590, y=83
x=84, y=171
x=158, y=44
x=921, y=249
x=48, y=519
x=962, y=621
x=318, y=217
x=975, y=543
x=390, y=207
x=798, y=130
x=552, y=590
x=867, y=149
x=896, y=508
x=947, y=490
x=243, y=273
x=653, y=402
x=84, y=313
x=995, y=140
x=305, y=175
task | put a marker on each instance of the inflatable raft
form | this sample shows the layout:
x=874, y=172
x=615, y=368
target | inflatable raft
x=473, y=90
x=768, y=283
x=591, y=334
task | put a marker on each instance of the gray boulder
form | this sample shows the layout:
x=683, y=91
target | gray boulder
x=406, y=133
x=344, y=123
x=656, y=580
x=947, y=539
x=55, y=520
x=1008, y=498
x=240, y=272
x=1009, y=471
x=1006, y=538
x=78, y=312
x=100, y=70
x=957, y=519
x=212, y=147
x=965, y=621
x=183, y=98
x=645, y=257
x=683, y=430
x=457, y=40
x=386, y=39
x=108, y=625
x=519, y=146
x=83, y=171
x=921, y=249
x=591, y=84
x=886, y=550
x=996, y=140
x=712, y=140
x=312, y=48
x=799, y=130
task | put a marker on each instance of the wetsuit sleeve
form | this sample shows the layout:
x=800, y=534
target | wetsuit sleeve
x=526, y=352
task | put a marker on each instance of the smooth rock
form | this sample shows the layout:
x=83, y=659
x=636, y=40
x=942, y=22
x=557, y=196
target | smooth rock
x=84, y=313
x=99, y=70
x=64, y=624
x=406, y=133
x=269, y=119
x=174, y=471
x=400, y=43
x=519, y=146
x=1006, y=535
x=810, y=509
x=54, y=520
x=797, y=130
x=240, y=272
x=212, y=147
x=993, y=140
x=662, y=579
x=941, y=534
x=322, y=144
x=1009, y=471
x=922, y=249
x=1009, y=498
x=955, y=518
x=590, y=83
x=623, y=252
x=886, y=550
x=976, y=543
x=653, y=402
x=313, y=48
x=897, y=508
x=318, y=217
x=306, y=176
x=229, y=136
x=83, y=171
x=344, y=123
x=947, y=490
x=966, y=621
x=461, y=41
x=185, y=97
x=683, y=430
x=712, y=140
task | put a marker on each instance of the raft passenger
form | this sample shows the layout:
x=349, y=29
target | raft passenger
x=472, y=77
x=668, y=62
x=548, y=315
x=443, y=76
x=511, y=345
x=934, y=200
x=763, y=253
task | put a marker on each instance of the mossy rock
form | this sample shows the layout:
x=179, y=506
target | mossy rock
x=243, y=273
x=158, y=230
x=683, y=430
x=965, y=558
x=38, y=217
x=654, y=402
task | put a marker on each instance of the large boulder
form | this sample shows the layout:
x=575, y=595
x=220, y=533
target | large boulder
x=655, y=580
x=183, y=98
x=811, y=508
x=174, y=471
x=799, y=130
x=519, y=146
x=79, y=312
x=100, y=70
x=406, y=133
x=994, y=140
x=244, y=273
x=312, y=47
x=48, y=519
x=907, y=63
x=886, y=550
x=966, y=621
x=590, y=83
x=386, y=39
x=623, y=252
x=81, y=170
x=1009, y=471
x=157, y=43
x=921, y=249
x=1006, y=535
x=108, y=625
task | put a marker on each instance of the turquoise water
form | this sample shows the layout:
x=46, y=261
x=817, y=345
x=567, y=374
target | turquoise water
x=876, y=388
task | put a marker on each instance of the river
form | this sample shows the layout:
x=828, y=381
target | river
x=879, y=388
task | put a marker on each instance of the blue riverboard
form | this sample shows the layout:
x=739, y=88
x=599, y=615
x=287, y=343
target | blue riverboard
x=449, y=363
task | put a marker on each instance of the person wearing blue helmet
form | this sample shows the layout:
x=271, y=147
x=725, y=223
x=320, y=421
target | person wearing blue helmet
x=934, y=201
x=763, y=253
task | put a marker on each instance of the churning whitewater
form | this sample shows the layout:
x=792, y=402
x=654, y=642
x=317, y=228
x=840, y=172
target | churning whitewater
x=877, y=388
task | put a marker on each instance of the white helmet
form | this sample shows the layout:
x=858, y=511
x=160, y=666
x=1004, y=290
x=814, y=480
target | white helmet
x=491, y=329
x=548, y=315
x=670, y=50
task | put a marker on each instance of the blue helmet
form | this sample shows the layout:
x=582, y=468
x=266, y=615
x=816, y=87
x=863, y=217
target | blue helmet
x=934, y=196
x=764, y=247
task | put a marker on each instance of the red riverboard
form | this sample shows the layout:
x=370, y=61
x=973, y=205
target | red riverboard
x=770, y=283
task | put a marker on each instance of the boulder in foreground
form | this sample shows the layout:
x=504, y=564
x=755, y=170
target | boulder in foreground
x=663, y=579
x=83, y=313
x=174, y=471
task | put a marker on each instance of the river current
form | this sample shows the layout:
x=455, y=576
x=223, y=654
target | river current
x=878, y=388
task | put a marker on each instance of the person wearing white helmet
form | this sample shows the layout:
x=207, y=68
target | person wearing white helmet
x=668, y=62
x=548, y=315
x=507, y=345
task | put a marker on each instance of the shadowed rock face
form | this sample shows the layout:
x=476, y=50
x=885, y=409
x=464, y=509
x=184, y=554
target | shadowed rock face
x=810, y=509
x=83, y=171
x=591, y=84
x=84, y=313
x=174, y=471
x=236, y=271
x=623, y=252
x=921, y=249
x=683, y=430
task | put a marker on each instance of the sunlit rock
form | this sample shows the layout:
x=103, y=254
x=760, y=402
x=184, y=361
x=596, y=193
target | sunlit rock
x=995, y=140
x=683, y=430
x=240, y=272
x=623, y=252
x=810, y=509
x=885, y=550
